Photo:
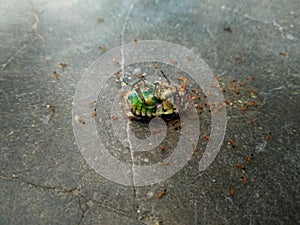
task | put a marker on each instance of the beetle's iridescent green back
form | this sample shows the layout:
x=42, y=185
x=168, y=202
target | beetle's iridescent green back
x=138, y=107
x=135, y=101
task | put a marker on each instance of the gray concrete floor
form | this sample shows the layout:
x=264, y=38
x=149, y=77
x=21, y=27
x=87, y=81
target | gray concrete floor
x=45, y=180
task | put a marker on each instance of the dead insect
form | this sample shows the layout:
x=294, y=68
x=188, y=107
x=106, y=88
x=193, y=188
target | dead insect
x=161, y=194
x=155, y=99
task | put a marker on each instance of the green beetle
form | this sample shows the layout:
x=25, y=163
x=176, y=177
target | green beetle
x=152, y=100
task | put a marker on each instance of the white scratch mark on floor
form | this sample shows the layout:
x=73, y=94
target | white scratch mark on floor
x=122, y=78
x=11, y=58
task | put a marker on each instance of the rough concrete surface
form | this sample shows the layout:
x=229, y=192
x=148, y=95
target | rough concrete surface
x=44, y=178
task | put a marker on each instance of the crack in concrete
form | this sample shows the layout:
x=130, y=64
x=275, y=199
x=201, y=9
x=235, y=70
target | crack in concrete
x=122, y=34
x=84, y=202
x=56, y=189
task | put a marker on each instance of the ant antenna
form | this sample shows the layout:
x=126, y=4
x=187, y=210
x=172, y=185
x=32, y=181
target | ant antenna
x=169, y=82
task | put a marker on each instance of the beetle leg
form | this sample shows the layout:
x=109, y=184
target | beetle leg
x=157, y=90
x=141, y=79
x=140, y=94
